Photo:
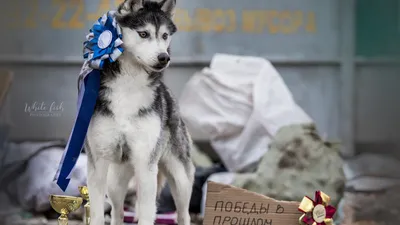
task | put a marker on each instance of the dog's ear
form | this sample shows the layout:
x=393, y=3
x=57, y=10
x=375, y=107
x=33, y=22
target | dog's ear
x=129, y=6
x=168, y=6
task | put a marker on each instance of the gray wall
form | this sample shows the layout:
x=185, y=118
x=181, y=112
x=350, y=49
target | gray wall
x=377, y=103
x=315, y=89
x=303, y=39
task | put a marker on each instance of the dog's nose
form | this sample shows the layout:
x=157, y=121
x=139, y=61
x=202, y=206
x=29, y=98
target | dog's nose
x=163, y=58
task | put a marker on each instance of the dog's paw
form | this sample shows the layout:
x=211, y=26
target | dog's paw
x=144, y=222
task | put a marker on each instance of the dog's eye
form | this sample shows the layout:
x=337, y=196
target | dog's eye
x=165, y=36
x=143, y=34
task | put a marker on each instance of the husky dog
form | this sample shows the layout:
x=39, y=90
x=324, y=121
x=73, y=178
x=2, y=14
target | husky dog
x=136, y=130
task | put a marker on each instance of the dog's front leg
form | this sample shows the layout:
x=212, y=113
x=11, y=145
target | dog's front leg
x=146, y=180
x=118, y=178
x=96, y=181
x=180, y=174
x=143, y=144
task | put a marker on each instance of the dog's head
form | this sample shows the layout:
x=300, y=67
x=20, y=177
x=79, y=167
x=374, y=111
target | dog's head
x=147, y=28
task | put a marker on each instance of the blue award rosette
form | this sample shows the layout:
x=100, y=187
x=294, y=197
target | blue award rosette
x=103, y=44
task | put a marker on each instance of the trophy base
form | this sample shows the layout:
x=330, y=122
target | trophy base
x=63, y=220
x=70, y=222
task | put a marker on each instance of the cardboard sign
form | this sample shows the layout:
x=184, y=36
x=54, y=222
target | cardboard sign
x=228, y=205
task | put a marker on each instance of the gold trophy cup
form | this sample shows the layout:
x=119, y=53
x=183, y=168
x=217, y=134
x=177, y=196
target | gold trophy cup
x=85, y=195
x=64, y=205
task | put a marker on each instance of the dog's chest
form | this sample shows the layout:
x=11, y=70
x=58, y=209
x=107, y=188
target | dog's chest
x=129, y=94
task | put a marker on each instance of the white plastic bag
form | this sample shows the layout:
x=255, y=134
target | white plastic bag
x=39, y=175
x=31, y=188
x=240, y=102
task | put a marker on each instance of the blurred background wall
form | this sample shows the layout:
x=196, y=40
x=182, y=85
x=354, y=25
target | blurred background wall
x=339, y=67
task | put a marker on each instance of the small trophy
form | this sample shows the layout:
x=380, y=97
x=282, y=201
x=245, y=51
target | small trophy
x=85, y=195
x=64, y=205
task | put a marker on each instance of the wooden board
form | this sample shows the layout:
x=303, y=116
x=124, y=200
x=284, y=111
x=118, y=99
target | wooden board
x=229, y=205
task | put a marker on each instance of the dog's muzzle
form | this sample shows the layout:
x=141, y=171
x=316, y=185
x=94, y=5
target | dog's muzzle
x=163, y=59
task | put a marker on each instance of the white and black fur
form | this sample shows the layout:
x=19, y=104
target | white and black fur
x=136, y=130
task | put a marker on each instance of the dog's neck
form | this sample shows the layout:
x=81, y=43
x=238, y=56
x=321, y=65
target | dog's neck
x=128, y=66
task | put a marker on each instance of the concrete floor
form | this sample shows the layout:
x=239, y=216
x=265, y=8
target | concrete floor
x=374, y=208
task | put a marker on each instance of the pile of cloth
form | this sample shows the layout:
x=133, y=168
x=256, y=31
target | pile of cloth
x=267, y=142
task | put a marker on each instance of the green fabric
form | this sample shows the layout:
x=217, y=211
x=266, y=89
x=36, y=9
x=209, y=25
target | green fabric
x=200, y=158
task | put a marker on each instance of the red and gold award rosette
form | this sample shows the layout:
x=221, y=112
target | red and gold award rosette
x=318, y=211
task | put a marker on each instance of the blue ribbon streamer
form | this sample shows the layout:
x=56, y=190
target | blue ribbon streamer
x=78, y=135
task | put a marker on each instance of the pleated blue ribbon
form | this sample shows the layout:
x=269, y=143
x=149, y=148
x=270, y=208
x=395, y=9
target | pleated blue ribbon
x=103, y=43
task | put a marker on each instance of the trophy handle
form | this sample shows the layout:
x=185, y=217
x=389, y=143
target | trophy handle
x=87, y=213
x=85, y=195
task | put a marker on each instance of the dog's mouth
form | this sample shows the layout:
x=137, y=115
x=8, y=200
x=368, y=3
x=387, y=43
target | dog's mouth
x=159, y=67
